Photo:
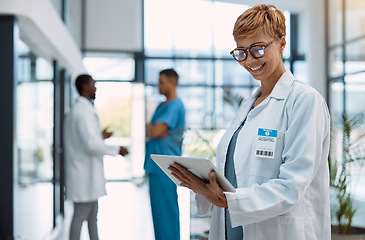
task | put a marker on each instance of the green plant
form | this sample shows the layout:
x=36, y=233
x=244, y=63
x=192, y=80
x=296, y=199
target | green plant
x=353, y=155
x=232, y=98
x=197, y=143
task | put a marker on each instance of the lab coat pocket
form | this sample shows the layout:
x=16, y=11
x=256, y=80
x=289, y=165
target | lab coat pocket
x=268, y=167
x=281, y=227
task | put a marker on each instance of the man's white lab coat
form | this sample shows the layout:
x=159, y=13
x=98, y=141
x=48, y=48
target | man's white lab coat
x=84, y=151
x=285, y=197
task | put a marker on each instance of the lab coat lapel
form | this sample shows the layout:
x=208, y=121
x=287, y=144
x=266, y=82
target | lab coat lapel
x=282, y=87
x=280, y=92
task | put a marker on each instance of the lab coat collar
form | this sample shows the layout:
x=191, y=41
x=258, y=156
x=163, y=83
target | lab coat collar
x=282, y=87
x=86, y=101
x=280, y=91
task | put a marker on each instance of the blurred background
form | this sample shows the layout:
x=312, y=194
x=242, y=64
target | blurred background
x=124, y=44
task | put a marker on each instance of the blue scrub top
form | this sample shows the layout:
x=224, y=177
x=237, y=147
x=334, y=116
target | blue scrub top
x=172, y=114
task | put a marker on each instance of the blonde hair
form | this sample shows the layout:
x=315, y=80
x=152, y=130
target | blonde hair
x=257, y=18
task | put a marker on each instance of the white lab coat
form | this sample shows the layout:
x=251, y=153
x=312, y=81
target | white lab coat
x=285, y=198
x=84, y=151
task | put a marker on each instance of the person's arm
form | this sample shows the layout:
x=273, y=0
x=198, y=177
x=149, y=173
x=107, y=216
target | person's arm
x=157, y=130
x=90, y=135
x=166, y=120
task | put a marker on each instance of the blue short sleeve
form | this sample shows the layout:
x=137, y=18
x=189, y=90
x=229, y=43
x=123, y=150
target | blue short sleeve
x=172, y=114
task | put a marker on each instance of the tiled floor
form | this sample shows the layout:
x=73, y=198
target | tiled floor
x=124, y=214
x=33, y=211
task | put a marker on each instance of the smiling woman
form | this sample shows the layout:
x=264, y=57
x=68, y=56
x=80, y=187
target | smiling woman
x=279, y=173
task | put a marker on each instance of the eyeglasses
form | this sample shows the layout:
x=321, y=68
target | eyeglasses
x=257, y=51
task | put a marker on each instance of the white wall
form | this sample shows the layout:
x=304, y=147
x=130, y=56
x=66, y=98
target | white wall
x=113, y=25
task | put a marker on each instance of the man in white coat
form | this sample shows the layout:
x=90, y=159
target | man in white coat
x=84, y=150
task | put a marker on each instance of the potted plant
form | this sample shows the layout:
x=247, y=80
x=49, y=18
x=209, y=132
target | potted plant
x=343, y=208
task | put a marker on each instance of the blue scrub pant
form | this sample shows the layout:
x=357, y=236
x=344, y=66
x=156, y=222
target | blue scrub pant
x=165, y=209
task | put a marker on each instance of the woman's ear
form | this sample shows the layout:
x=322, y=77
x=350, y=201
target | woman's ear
x=282, y=43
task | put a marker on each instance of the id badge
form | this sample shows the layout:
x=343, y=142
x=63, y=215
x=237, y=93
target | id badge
x=266, y=142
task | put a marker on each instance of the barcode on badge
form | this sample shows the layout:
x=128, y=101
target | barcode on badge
x=264, y=153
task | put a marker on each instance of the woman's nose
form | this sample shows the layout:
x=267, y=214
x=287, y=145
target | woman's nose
x=249, y=56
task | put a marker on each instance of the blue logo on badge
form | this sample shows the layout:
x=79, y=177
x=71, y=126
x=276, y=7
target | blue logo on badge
x=268, y=132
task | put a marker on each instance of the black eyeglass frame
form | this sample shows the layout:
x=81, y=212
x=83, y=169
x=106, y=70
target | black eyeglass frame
x=250, y=48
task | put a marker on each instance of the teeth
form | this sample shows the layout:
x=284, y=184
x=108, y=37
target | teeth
x=256, y=68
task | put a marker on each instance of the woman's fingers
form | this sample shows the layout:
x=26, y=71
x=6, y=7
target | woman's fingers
x=175, y=172
x=185, y=182
x=178, y=176
x=187, y=178
x=213, y=180
x=211, y=191
x=186, y=173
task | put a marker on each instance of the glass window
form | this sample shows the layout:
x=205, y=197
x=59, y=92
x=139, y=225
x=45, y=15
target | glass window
x=158, y=22
x=286, y=64
x=355, y=19
x=153, y=68
x=193, y=28
x=335, y=20
x=194, y=72
x=191, y=72
x=355, y=97
x=113, y=106
x=110, y=66
x=31, y=67
x=35, y=131
x=44, y=70
x=355, y=66
x=336, y=96
x=355, y=56
x=286, y=53
x=33, y=187
x=231, y=73
x=301, y=71
x=225, y=15
x=24, y=66
x=23, y=63
x=227, y=102
x=198, y=105
x=335, y=62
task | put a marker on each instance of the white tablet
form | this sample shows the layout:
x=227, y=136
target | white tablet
x=200, y=167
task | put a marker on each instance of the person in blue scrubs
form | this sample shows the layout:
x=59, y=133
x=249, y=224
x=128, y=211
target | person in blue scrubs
x=165, y=136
